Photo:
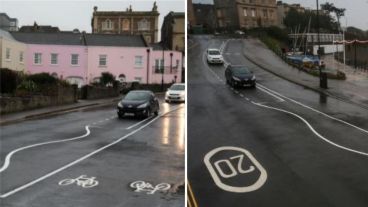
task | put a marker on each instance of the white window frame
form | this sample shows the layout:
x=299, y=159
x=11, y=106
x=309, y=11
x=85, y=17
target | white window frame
x=107, y=25
x=71, y=59
x=138, y=61
x=7, y=54
x=253, y=11
x=139, y=79
x=57, y=59
x=100, y=59
x=144, y=25
x=37, y=58
x=245, y=13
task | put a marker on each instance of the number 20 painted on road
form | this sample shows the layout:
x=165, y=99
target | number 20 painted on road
x=234, y=171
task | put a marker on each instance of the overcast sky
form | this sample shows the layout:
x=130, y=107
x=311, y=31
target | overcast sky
x=356, y=10
x=67, y=14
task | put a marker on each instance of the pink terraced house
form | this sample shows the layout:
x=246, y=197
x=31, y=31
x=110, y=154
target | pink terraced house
x=81, y=58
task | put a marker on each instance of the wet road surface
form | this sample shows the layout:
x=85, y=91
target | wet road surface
x=276, y=145
x=92, y=158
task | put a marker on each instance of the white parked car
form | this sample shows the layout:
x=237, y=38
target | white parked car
x=214, y=56
x=175, y=93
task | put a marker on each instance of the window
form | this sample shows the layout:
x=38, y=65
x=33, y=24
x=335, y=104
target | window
x=103, y=60
x=7, y=54
x=107, y=25
x=245, y=12
x=159, y=65
x=138, y=79
x=265, y=13
x=74, y=59
x=126, y=25
x=21, y=57
x=54, y=59
x=138, y=61
x=253, y=12
x=37, y=58
x=143, y=25
x=177, y=63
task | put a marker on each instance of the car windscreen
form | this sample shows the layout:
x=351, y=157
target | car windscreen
x=240, y=70
x=177, y=87
x=137, y=96
x=213, y=52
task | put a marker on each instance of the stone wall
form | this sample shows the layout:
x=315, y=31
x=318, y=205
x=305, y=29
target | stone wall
x=93, y=92
x=9, y=104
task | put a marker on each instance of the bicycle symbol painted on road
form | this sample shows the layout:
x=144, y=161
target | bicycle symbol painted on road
x=83, y=181
x=142, y=186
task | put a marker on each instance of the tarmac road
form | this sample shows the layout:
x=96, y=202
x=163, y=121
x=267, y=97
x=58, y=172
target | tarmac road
x=109, y=153
x=276, y=145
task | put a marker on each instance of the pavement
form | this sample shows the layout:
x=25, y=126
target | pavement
x=92, y=158
x=353, y=89
x=54, y=110
x=280, y=144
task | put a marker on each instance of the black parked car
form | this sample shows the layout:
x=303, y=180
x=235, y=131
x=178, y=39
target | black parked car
x=240, y=76
x=138, y=103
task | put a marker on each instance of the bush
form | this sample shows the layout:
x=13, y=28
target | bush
x=9, y=80
x=43, y=79
x=107, y=79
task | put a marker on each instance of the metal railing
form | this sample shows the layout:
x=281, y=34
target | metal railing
x=165, y=69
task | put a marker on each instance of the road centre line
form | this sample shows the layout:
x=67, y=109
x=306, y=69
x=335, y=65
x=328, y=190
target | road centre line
x=273, y=95
x=312, y=129
x=134, y=125
x=82, y=158
x=9, y=155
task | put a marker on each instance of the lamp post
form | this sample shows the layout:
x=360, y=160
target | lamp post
x=148, y=64
x=171, y=56
x=322, y=76
x=163, y=67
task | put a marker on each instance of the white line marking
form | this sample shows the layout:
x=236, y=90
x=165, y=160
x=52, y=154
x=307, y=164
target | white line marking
x=107, y=119
x=9, y=155
x=315, y=110
x=82, y=158
x=136, y=124
x=83, y=181
x=313, y=130
x=271, y=94
x=241, y=95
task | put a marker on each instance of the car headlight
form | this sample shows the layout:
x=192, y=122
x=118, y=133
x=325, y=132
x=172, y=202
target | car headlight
x=235, y=78
x=143, y=105
x=253, y=77
x=120, y=105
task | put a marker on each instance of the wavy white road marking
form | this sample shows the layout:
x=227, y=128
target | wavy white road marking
x=9, y=155
x=9, y=193
x=315, y=110
x=312, y=129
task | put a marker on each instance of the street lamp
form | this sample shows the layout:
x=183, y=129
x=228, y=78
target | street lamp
x=148, y=63
x=171, y=56
x=322, y=76
x=163, y=67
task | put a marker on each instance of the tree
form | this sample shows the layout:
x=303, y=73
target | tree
x=339, y=12
x=107, y=79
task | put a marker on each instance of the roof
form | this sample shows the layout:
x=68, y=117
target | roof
x=125, y=13
x=5, y=34
x=39, y=28
x=65, y=38
x=9, y=18
x=56, y=38
x=156, y=46
x=115, y=40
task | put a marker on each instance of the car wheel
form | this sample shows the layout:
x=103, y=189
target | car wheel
x=148, y=112
x=156, y=112
x=120, y=116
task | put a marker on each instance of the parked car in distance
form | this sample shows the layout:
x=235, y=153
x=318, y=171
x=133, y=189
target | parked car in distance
x=239, y=32
x=240, y=76
x=138, y=103
x=214, y=57
x=175, y=93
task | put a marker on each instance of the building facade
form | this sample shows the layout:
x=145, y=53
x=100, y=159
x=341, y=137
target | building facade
x=191, y=16
x=173, y=31
x=12, y=52
x=127, y=22
x=245, y=14
x=7, y=23
x=80, y=58
x=205, y=16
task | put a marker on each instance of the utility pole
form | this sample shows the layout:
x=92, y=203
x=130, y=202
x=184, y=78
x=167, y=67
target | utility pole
x=322, y=75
